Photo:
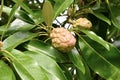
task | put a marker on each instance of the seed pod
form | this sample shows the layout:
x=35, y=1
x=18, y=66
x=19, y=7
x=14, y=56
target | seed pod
x=62, y=39
x=82, y=23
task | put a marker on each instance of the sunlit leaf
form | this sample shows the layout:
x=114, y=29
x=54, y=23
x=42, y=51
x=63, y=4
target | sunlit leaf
x=48, y=64
x=96, y=38
x=5, y=72
x=7, y=10
x=23, y=26
x=41, y=47
x=26, y=67
x=19, y=37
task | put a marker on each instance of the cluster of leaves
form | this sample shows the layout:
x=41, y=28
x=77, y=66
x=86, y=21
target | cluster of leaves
x=27, y=53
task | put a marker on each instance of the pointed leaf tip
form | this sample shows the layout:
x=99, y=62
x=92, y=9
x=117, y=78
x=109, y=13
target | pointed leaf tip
x=47, y=13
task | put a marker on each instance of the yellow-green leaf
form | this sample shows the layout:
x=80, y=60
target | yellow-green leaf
x=47, y=13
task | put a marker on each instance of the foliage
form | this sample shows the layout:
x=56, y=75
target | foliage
x=27, y=52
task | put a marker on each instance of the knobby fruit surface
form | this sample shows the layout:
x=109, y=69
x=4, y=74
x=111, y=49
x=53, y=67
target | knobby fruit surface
x=82, y=23
x=62, y=39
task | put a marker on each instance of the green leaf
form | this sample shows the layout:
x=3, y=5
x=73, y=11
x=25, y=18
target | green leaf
x=23, y=26
x=60, y=6
x=87, y=75
x=14, y=40
x=114, y=14
x=26, y=67
x=100, y=64
x=34, y=14
x=11, y=15
x=7, y=10
x=24, y=16
x=115, y=17
x=66, y=71
x=96, y=38
x=102, y=17
x=32, y=18
x=1, y=7
x=48, y=64
x=97, y=6
x=41, y=47
x=12, y=12
x=77, y=60
x=37, y=16
x=2, y=28
x=113, y=55
x=47, y=13
x=24, y=6
x=5, y=72
x=19, y=14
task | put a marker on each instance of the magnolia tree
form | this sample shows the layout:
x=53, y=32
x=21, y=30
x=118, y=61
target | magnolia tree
x=60, y=40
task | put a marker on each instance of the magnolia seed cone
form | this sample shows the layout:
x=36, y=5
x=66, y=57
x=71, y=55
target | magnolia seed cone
x=62, y=39
x=82, y=23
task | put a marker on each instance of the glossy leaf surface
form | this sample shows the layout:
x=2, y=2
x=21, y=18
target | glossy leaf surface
x=18, y=14
x=48, y=64
x=96, y=38
x=112, y=55
x=60, y=6
x=6, y=72
x=102, y=17
x=26, y=67
x=41, y=47
x=19, y=37
x=97, y=60
x=77, y=60
x=15, y=26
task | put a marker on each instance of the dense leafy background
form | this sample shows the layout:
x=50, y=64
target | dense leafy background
x=27, y=53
